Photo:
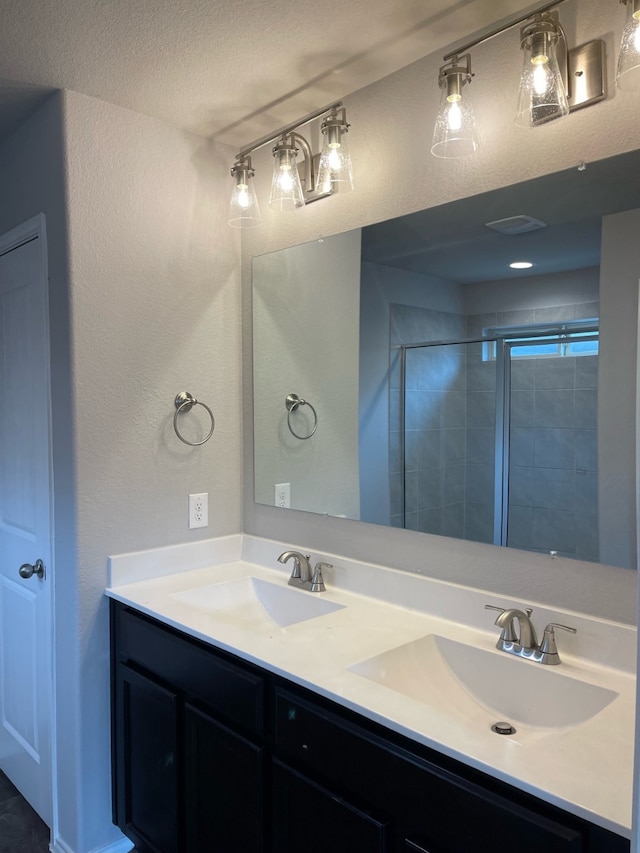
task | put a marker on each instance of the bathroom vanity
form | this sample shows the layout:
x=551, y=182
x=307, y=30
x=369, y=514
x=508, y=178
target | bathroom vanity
x=239, y=738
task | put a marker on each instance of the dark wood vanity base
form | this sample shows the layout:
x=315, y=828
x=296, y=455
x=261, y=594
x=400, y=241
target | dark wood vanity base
x=214, y=755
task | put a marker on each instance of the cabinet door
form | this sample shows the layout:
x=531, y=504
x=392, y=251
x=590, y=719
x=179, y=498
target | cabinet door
x=309, y=818
x=147, y=772
x=223, y=788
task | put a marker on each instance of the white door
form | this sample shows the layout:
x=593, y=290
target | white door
x=25, y=516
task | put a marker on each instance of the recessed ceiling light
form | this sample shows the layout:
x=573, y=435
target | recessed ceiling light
x=521, y=265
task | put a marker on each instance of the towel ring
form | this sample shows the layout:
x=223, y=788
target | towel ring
x=292, y=402
x=184, y=402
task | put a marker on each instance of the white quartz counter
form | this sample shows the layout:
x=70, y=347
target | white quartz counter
x=586, y=769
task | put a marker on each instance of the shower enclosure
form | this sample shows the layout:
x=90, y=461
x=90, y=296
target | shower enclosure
x=497, y=438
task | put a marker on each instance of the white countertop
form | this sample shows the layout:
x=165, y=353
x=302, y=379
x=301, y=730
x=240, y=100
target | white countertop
x=586, y=769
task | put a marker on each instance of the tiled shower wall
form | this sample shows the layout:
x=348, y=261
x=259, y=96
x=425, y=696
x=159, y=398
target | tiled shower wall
x=435, y=441
x=435, y=423
x=553, y=496
x=553, y=485
x=449, y=438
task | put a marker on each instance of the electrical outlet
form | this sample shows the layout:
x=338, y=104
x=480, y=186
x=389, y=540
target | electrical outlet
x=282, y=496
x=199, y=510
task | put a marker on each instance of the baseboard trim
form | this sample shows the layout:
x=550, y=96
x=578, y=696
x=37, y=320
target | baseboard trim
x=121, y=845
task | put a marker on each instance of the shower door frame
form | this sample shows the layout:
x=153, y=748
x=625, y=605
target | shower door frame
x=505, y=342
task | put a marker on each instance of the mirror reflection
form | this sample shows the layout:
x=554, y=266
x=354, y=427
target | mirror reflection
x=440, y=389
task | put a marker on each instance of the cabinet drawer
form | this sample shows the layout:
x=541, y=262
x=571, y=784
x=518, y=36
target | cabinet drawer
x=230, y=690
x=307, y=817
x=440, y=810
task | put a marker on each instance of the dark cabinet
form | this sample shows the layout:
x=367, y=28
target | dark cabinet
x=147, y=765
x=223, y=790
x=438, y=810
x=189, y=771
x=214, y=755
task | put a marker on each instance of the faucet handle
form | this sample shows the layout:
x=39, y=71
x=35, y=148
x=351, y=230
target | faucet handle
x=317, y=582
x=548, y=645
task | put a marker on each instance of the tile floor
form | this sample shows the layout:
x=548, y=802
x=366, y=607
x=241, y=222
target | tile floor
x=21, y=830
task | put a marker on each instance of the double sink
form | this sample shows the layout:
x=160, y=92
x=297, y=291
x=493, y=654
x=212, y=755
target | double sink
x=437, y=671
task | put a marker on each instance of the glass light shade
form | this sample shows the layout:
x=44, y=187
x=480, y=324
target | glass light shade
x=628, y=73
x=454, y=134
x=542, y=96
x=286, y=188
x=244, y=211
x=335, y=162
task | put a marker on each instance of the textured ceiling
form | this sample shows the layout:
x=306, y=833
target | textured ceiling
x=229, y=69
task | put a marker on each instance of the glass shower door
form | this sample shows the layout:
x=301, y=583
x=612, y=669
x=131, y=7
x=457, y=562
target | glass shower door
x=553, y=477
x=449, y=440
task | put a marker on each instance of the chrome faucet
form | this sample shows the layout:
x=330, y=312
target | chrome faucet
x=301, y=572
x=301, y=575
x=524, y=642
x=526, y=636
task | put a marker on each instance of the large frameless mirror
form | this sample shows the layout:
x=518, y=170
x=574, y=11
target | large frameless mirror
x=439, y=389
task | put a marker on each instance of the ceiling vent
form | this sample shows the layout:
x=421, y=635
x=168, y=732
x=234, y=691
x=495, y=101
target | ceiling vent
x=516, y=224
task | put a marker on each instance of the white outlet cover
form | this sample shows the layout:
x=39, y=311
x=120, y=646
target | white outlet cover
x=198, y=510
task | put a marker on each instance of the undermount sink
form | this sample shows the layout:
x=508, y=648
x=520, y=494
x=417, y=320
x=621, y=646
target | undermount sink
x=447, y=674
x=250, y=602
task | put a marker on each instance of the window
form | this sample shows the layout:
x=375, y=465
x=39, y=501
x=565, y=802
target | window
x=570, y=339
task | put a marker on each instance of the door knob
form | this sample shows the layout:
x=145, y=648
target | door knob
x=26, y=569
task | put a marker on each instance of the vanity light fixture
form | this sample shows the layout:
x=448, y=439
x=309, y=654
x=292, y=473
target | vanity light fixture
x=454, y=134
x=294, y=183
x=335, y=161
x=628, y=73
x=542, y=96
x=244, y=211
x=286, y=188
x=554, y=80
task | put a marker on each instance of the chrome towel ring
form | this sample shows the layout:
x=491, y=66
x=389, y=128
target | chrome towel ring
x=292, y=402
x=184, y=402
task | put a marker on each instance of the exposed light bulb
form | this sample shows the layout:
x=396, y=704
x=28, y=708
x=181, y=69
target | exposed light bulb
x=243, y=197
x=541, y=78
x=454, y=116
x=454, y=134
x=285, y=179
x=334, y=158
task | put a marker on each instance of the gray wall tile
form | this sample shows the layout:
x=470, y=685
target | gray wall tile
x=555, y=373
x=481, y=409
x=520, y=527
x=522, y=408
x=587, y=371
x=586, y=409
x=554, y=488
x=554, y=530
x=554, y=448
x=522, y=445
x=554, y=409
